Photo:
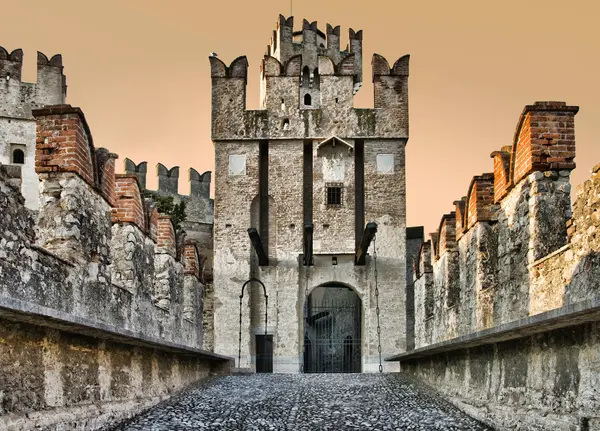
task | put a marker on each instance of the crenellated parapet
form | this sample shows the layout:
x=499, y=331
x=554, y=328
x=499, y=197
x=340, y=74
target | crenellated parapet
x=307, y=90
x=64, y=144
x=18, y=98
x=199, y=207
x=509, y=234
x=106, y=238
x=168, y=179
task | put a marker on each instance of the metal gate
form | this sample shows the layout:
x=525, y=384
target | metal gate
x=332, y=335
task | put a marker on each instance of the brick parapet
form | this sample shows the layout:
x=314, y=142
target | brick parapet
x=192, y=260
x=151, y=221
x=166, y=239
x=447, y=233
x=460, y=217
x=480, y=200
x=129, y=206
x=544, y=139
x=514, y=258
x=502, y=179
x=64, y=143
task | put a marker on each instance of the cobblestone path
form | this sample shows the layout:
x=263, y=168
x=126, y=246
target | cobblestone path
x=305, y=402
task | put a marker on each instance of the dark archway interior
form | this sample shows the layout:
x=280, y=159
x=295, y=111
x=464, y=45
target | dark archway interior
x=18, y=156
x=332, y=331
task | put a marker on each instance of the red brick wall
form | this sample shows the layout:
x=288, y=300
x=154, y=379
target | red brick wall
x=128, y=206
x=502, y=181
x=460, y=217
x=447, y=233
x=166, y=234
x=480, y=201
x=108, y=179
x=63, y=142
x=544, y=139
x=191, y=260
x=153, y=224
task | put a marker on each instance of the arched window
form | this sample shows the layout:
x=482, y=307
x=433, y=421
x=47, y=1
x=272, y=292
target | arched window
x=317, y=79
x=307, y=100
x=18, y=156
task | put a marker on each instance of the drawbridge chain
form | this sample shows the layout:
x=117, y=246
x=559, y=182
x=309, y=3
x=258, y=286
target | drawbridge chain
x=377, y=303
x=253, y=279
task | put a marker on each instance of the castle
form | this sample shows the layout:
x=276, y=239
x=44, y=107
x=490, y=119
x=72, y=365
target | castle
x=302, y=263
x=308, y=171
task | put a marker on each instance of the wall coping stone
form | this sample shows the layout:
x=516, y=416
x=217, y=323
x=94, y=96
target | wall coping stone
x=569, y=315
x=23, y=311
x=550, y=255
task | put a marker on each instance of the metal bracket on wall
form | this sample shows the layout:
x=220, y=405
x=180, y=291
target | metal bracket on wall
x=263, y=259
x=368, y=235
x=308, y=245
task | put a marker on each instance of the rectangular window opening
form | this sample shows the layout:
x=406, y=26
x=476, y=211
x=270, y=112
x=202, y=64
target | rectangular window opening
x=334, y=194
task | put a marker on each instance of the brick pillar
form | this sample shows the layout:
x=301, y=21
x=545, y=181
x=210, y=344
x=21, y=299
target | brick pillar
x=543, y=152
x=76, y=190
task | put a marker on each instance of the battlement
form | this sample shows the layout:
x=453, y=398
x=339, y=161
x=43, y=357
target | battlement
x=17, y=98
x=285, y=42
x=307, y=90
x=503, y=233
x=168, y=179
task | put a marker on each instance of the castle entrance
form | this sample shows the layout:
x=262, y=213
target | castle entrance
x=332, y=331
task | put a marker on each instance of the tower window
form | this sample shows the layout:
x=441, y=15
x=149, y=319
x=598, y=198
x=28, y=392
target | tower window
x=334, y=194
x=18, y=157
x=307, y=100
x=285, y=124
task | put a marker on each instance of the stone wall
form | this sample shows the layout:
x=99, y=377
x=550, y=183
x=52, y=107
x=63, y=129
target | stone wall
x=198, y=223
x=547, y=381
x=513, y=262
x=306, y=148
x=17, y=100
x=97, y=272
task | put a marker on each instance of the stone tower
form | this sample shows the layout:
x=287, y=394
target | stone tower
x=308, y=171
x=17, y=100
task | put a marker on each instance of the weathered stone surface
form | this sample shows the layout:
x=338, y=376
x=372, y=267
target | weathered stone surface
x=55, y=379
x=528, y=259
x=17, y=100
x=548, y=381
x=315, y=139
x=102, y=280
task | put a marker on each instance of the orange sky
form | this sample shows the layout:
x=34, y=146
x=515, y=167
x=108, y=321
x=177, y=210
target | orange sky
x=139, y=70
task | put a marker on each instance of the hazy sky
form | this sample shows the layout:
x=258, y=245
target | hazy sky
x=139, y=70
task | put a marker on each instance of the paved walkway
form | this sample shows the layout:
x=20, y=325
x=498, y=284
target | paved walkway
x=306, y=402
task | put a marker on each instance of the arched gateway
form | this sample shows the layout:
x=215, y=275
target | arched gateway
x=332, y=330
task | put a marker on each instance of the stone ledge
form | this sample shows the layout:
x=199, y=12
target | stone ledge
x=569, y=315
x=23, y=311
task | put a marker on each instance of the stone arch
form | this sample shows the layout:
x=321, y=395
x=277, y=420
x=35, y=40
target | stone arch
x=332, y=328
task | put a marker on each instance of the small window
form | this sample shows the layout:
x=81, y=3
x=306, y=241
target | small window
x=237, y=165
x=307, y=100
x=285, y=124
x=334, y=194
x=18, y=157
x=385, y=163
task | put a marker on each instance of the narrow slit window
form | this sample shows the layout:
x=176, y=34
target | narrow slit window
x=18, y=157
x=307, y=100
